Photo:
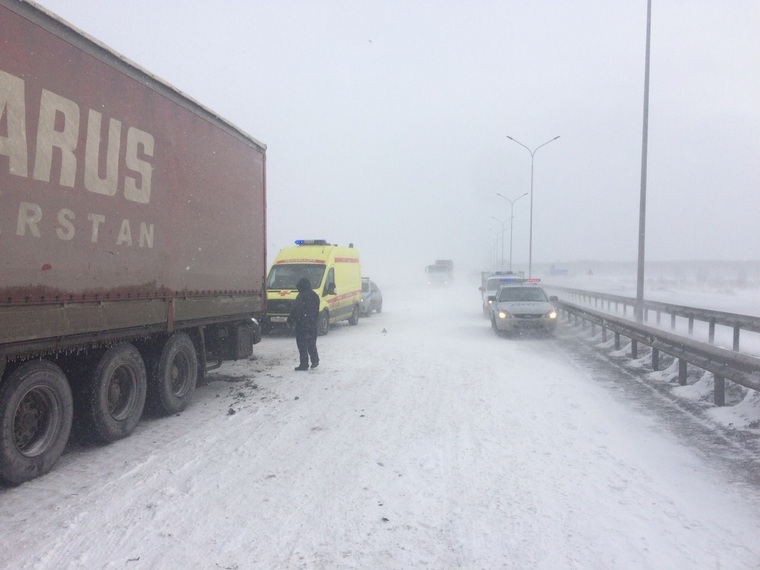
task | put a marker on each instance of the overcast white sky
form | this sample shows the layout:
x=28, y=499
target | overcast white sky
x=386, y=122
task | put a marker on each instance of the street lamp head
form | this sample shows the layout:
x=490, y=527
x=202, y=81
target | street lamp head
x=511, y=200
x=535, y=149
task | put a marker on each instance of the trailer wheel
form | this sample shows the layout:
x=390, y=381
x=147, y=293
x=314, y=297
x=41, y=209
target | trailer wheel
x=173, y=379
x=323, y=323
x=354, y=318
x=117, y=393
x=36, y=411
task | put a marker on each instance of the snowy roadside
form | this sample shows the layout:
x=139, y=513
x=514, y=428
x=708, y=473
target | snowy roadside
x=434, y=443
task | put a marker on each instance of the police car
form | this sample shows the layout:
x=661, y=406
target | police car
x=523, y=306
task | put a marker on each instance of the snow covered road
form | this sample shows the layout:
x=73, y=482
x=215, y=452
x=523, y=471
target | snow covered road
x=433, y=444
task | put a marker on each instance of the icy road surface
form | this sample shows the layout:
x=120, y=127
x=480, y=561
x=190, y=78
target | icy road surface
x=433, y=444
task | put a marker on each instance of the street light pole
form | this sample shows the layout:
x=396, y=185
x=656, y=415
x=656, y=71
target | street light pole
x=511, y=222
x=532, y=154
x=495, y=248
x=502, y=222
x=639, y=310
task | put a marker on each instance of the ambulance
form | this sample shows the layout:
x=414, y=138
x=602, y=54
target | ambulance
x=334, y=273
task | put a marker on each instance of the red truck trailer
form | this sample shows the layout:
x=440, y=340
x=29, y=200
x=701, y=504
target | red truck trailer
x=132, y=241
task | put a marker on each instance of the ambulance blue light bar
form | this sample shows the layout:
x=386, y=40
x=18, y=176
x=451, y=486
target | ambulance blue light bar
x=311, y=242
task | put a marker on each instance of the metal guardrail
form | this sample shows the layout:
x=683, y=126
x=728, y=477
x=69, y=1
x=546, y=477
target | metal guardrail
x=723, y=363
x=732, y=320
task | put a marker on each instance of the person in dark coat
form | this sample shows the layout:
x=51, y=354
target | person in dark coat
x=303, y=318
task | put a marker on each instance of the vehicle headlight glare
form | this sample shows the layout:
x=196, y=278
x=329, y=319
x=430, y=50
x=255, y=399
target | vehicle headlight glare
x=552, y=314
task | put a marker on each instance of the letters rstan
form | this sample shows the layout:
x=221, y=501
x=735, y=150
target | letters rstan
x=58, y=125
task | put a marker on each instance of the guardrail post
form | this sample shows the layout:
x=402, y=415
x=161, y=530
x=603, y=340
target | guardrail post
x=658, y=317
x=711, y=332
x=593, y=329
x=672, y=321
x=655, y=359
x=691, y=324
x=634, y=349
x=682, y=369
x=737, y=329
x=720, y=390
x=604, y=334
x=617, y=341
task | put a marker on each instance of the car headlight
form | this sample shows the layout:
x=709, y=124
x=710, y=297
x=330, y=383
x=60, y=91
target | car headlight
x=551, y=314
x=504, y=315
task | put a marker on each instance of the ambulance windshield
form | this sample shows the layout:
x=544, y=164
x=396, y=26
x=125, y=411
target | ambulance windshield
x=286, y=276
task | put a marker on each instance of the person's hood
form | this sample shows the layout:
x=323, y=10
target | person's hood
x=303, y=285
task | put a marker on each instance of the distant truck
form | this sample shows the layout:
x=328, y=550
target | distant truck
x=440, y=274
x=334, y=273
x=132, y=241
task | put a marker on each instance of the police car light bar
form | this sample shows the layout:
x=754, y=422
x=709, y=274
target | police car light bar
x=534, y=280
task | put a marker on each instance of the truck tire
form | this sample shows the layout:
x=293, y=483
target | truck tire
x=116, y=396
x=323, y=323
x=173, y=377
x=36, y=411
x=354, y=318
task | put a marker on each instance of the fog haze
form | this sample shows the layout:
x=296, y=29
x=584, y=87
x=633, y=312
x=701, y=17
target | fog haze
x=386, y=122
